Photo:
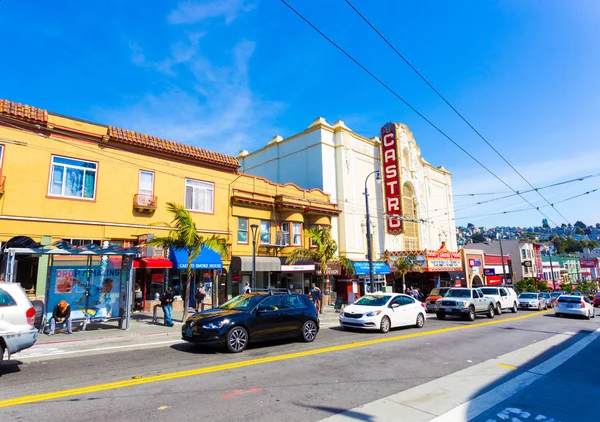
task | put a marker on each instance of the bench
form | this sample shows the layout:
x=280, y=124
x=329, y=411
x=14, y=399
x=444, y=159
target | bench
x=78, y=320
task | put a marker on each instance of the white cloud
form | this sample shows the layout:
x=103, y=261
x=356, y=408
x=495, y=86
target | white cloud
x=190, y=12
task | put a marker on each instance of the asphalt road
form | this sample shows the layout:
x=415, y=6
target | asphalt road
x=277, y=381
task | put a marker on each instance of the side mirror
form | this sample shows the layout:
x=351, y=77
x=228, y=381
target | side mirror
x=394, y=306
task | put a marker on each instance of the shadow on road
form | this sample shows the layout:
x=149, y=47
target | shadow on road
x=351, y=414
x=10, y=367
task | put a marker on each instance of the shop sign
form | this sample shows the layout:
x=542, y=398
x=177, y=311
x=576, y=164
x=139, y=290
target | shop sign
x=488, y=272
x=588, y=263
x=330, y=269
x=297, y=268
x=475, y=270
x=158, y=278
x=474, y=262
x=391, y=178
x=443, y=261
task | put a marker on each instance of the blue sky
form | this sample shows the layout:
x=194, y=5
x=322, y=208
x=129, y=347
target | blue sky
x=231, y=74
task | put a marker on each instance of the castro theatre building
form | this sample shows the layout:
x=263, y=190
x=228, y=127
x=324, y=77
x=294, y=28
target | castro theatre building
x=412, y=210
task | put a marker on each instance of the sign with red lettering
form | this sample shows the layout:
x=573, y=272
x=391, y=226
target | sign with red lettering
x=391, y=178
x=444, y=261
x=588, y=263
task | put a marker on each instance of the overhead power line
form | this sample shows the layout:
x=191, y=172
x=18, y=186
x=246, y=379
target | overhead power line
x=395, y=94
x=452, y=107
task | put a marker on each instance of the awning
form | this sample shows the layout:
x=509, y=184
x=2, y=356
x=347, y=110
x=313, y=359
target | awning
x=152, y=263
x=300, y=266
x=207, y=259
x=362, y=268
x=241, y=264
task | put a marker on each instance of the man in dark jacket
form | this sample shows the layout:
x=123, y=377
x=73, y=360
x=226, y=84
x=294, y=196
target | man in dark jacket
x=167, y=305
x=61, y=314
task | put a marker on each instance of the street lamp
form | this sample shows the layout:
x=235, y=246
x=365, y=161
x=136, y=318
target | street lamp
x=254, y=228
x=499, y=236
x=377, y=174
x=549, y=252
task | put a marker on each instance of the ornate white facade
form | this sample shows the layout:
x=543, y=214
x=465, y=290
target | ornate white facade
x=337, y=160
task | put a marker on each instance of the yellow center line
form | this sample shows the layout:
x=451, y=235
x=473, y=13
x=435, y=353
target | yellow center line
x=218, y=368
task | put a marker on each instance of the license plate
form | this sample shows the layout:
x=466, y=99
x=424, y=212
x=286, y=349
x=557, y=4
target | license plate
x=569, y=306
x=449, y=310
x=188, y=332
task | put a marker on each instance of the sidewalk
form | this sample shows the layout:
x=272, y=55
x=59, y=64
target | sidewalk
x=142, y=327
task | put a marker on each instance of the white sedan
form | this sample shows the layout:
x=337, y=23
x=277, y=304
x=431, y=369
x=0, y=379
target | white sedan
x=382, y=311
x=574, y=305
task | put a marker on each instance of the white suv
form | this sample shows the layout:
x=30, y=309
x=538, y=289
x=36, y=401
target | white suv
x=504, y=298
x=17, y=318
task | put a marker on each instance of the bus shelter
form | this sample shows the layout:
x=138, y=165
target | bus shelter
x=97, y=282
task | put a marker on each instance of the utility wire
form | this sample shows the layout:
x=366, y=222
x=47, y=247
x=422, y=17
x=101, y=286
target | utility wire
x=452, y=107
x=411, y=107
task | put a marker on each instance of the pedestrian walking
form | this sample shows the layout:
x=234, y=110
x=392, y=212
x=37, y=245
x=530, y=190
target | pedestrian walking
x=167, y=305
x=61, y=314
x=247, y=289
x=200, y=295
x=138, y=299
x=315, y=294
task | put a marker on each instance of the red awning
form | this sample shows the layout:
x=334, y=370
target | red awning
x=152, y=263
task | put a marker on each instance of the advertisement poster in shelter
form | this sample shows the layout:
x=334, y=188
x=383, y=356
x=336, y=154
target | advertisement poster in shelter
x=93, y=291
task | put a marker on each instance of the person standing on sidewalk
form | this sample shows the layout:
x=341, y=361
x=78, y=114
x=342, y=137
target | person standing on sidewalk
x=60, y=314
x=167, y=305
x=315, y=295
x=200, y=295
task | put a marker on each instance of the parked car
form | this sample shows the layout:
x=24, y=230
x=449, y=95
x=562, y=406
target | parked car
x=503, y=297
x=434, y=295
x=574, y=305
x=382, y=311
x=17, y=319
x=253, y=317
x=597, y=299
x=548, y=298
x=464, y=302
x=532, y=301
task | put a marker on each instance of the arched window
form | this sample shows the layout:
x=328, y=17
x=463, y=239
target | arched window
x=411, y=226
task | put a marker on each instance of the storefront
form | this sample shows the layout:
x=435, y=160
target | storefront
x=267, y=271
x=360, y=284
x=150, y=276
x=474, y=267
x=299, y=276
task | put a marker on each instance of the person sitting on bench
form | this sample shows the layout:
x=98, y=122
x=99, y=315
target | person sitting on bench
x=60, y=315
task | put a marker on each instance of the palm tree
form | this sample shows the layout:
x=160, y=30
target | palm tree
x=403, y=265
x=183, y=235
x=322, y=253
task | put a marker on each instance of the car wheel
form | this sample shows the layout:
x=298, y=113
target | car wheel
x=309, y=331
x=539, y=307
x=471, y=315
x=491, y=312
x=498, y=309
x=420, y=321
x=385, y=325
x=514, y=308
x=440, y=315
x=237, y=339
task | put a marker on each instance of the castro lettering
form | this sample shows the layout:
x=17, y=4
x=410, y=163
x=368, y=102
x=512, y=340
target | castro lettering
x=391, y=178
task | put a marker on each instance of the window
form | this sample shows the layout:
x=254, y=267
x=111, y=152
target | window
x=407, y=300
x=285, y=229
x=474, y=294
x=72, y=178
x=6, y=300
x=1, y=157
x=523, y=254
x=199, y=196
x=297, y=234
x=242, y=230
x=272, y=303
x=293, y=302
x=265, y=232
x=411, y=227
x=146, y=183
x=82, y=242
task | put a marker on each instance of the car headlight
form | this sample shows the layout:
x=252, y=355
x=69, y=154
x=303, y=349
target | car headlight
x=461, y=303
x=372, y=313
x=215, y=324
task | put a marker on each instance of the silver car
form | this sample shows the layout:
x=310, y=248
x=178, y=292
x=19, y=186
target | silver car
x=17, y=318
x=532, y=301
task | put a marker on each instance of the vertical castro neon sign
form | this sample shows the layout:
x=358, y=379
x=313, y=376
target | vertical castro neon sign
x=391, y=178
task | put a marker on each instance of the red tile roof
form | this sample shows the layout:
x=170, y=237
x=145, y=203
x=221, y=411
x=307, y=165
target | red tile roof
x=23, y=112
x=163, y=145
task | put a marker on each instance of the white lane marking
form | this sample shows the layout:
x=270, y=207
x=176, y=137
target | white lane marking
x=478, y=405
x=54, y=352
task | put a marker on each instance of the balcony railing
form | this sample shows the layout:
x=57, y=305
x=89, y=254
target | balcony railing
x=143, y=202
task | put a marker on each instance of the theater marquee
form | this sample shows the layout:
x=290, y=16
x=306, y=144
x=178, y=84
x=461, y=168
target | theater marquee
x=391, y=178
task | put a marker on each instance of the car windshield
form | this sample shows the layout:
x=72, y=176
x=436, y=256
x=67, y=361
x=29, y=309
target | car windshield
x=556, y=294
x=372, y=300
x=438, y=292
x=489, y=291
x=528, y=296
x=545, y=295
x=459, y=293
x=243, y=302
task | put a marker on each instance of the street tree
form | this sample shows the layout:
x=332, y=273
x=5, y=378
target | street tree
x=566, y=287
x=402, y=266
x=526, y=285
x=543, y=286
x=323, y=252
x=183, y=235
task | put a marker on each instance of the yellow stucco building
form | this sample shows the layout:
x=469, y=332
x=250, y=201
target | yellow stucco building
x=62, y=178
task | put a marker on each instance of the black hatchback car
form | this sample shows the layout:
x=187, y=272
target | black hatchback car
x=254, y=317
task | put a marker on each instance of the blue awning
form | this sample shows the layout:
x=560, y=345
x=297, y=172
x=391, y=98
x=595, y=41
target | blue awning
x=206, y=260
x=362, y=268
